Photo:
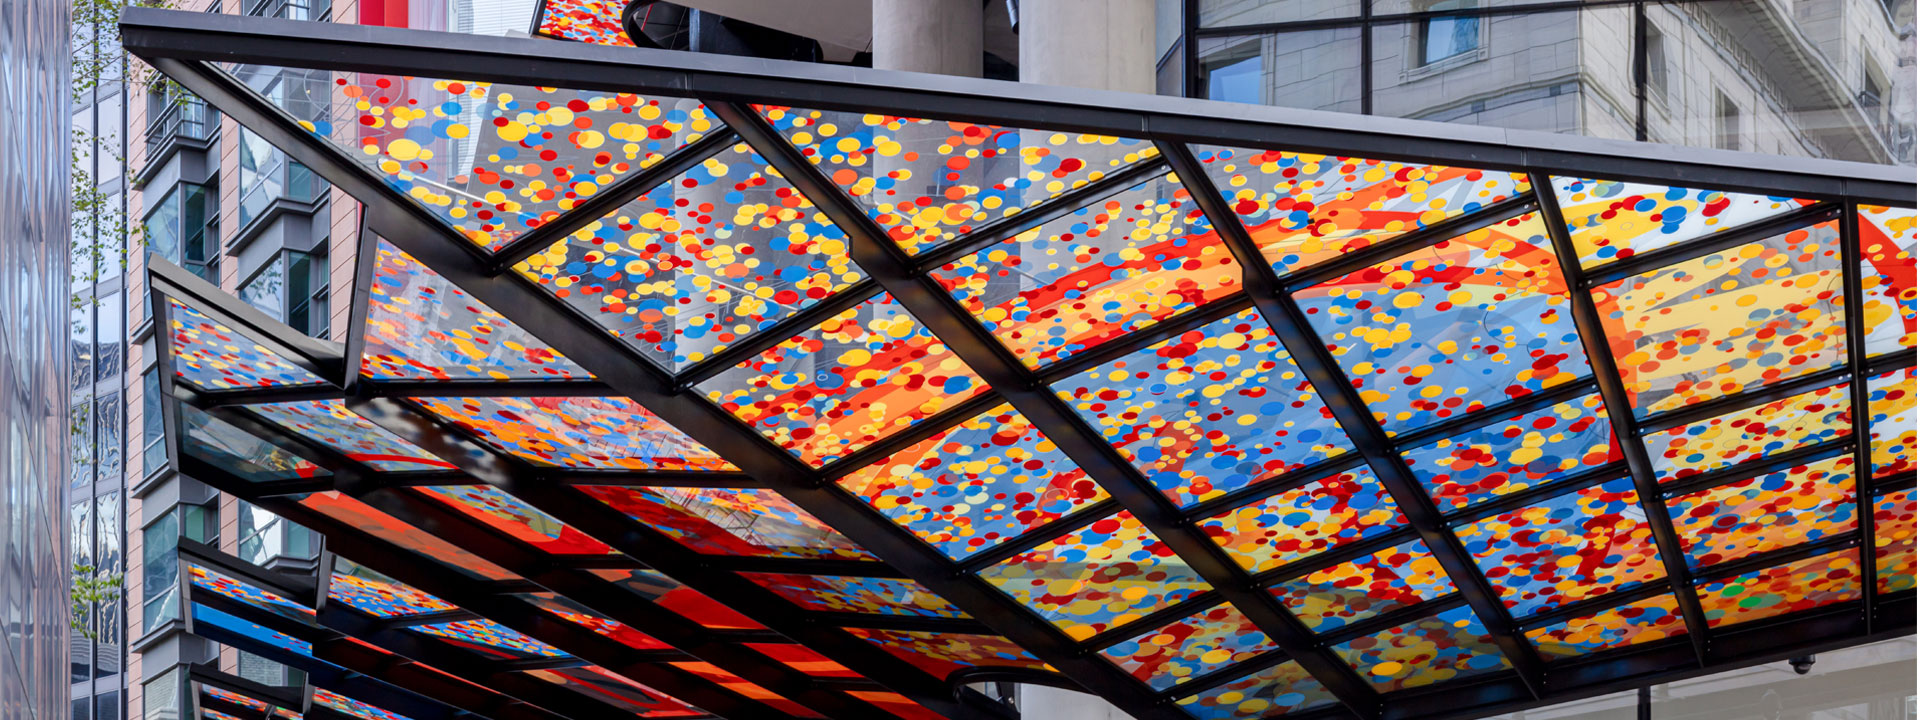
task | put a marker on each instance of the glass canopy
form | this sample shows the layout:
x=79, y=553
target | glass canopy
x=684, y=399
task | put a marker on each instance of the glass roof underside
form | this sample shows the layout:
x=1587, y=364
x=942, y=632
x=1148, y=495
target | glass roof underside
x=668, y=406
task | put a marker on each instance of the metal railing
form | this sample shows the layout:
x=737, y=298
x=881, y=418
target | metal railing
x=180, y=117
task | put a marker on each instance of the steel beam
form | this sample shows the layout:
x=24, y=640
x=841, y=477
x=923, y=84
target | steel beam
x=1858, y=394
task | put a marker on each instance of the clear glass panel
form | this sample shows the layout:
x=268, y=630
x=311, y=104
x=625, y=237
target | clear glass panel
x=1228, y=13
x=1511, y=71
x=239, y=452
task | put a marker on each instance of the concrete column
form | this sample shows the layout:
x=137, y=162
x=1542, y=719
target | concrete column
x=929, y=36
x=1100, y=44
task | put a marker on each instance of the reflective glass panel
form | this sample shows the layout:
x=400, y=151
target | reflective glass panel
x=1736, y=437
x=1792, y=587
x=1303, y=209
x=1209, y=411
x=862, y=375
x=1119, y=264
x=583, y=432
x=490, y=638
x=1798, y=505
x=1887, y=241
x=422, y=327
x=250, y=594
x=1893, y=545
x=1358, y=589
x=1890, y=416
x=1451, y=644
x=756, y=523
x=944, y=653
x=1304, y=521
x=211, y=356
x=711, y=256
x=1612, y=220
x=928, y=181
x=832, y=593
x=1278, y=690
x=1730, y=321
x=1513, y=455
x=1104, y=575
x=1645, y=620
x=514, y=517
x=237, y=451
x=983, y=481
x=363, y=589
x=1492, y=318
x=1567, y=548
x=1189, y=648
x=330, y=423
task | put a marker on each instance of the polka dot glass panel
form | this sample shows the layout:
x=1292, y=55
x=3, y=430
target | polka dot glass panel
x=513, y=516
x=565, y=608
x=832, y=593
x=1355, y=590
x=862, y=375
x=970, y=487
x=1641, y=621
x=1452, y=644
x=1189, y=648
x=603, y=684
x=929, y=181
x=944, y=653
x=1454, y=327
x=1893, y=544
x=1515, y=454
x=211, y=356
x=682, y=600
x=1613, y=220
x=1302, y=209
x=1304, y=521
x=1778, y=510
x=585, y=432
x=1207, y=412
x=351, y=707
x=587, y=21
x=330, y=423
x=354, y=513
x=1800, y=585
x=490, y=639
x=1775, y=427
x=238, y=452
x=1120, y=264
x=1272, y=692
x=422, y=327
x=718, y=253
x=491, y=160
x=1571, y=547
x=368, y=591
x=1890, y=418
x=1887, y=240
x=1105, y=575
x=1728, y=322
x=719, y=521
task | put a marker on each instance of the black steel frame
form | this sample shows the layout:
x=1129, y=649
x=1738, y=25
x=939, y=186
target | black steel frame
x=185, y=48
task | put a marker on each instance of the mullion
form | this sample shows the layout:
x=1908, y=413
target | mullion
x=1482, y=417
x=1566, y=483
x=1761, y=466
x=1392, y=619
x=941, y=315
x=1272, y=296
x=1274, y=485
x=1652, y=260
x=1853, y=278
x=1620, y=412
x=1660, y=422
x=1773, y=558
x=765, y=339
x=1053, y=208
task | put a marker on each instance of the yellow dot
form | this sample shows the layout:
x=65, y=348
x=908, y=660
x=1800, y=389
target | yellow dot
x=1386, y=668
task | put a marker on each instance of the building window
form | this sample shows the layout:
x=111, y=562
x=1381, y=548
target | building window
x=1447, y=36
x=160, y=697
x=265, y=537
x=292, y=288
x=1874, y=89
x=1235, y=74
x=153, y=427
x=160, y=560
x=1726, y=122
x=183, y=229
x=1656, y=64
x=266, y=175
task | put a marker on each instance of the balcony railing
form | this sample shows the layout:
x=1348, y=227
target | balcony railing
x=290, y=9
x=179, y=118
x=282, y=179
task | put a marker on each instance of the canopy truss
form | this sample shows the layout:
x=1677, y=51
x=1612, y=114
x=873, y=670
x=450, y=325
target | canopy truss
x=680, y=385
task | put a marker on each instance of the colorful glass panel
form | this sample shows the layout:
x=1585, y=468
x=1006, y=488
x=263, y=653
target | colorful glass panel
x=976, y=484
x=1104, y=575
x=1304, y=521
x=208, y=618
x=800, y=658
x=862, y=375
x=1641, y=621
x=1887, y=241
x=566, y=609
x=420, y=326
x=368, y=591
x=583, y=432
x=1492, y=313
x=1778, y=510
x=682, y=600
x=1571, y=547
x=330, y=423
x=1358, y=589
x=234, y=697
x=834, y=593
x=1756, y=432
x=1120, y=264
x=588, y=21
x=341, y=703
x=1792, y=587
x=1613, y=220
x=1893, y=540
x=944, y=653
x=720, y=521
x=1189, y=648
x=1302, y=209
x=1273, y=692
x=516, y=518
x=928, y=181
x=1890, y=422
x=211, y=356
x=490, y=637
x=611, y=688
x=353, y=513
x=714, y=674
x=698, y=262
x=1210, y=411
x=250, y=594
x=1730, y=321
x=492, y=161
x=1452, y=644
x=1515, y=454
x=239, y=452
